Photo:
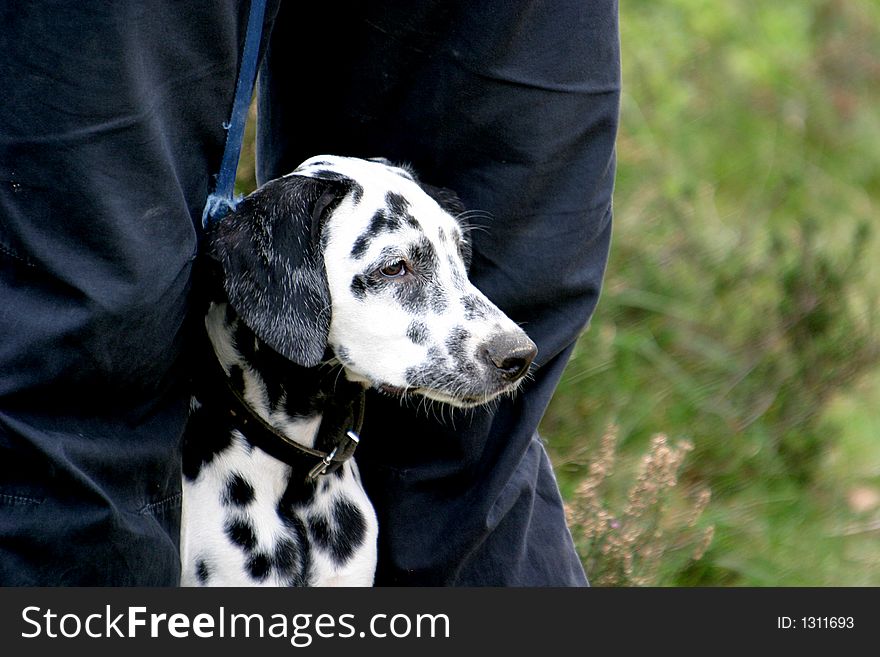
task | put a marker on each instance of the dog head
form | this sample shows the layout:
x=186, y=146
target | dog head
x=357, y=260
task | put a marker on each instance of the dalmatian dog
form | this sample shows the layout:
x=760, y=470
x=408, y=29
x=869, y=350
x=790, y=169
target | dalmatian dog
x=344, y=275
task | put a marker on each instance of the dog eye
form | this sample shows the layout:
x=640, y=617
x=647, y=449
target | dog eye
x=396, y=270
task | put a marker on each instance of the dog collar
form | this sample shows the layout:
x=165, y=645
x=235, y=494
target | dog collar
x=340, y=426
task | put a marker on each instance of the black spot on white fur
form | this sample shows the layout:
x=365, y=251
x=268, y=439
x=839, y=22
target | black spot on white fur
x=386, y=220
x=259, y=566
x=340, y=535
x=290, y=561
x=396, y=203
x=359, y=286
x=241, y=533
x=474, y=307
x=456, y=345
x=239, y=492
x=417, y=332
x=203, y=572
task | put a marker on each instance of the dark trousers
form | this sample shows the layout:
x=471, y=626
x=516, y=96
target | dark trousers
x=109, y=133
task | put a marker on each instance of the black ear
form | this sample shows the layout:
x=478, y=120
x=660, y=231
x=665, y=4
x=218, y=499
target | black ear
x=446, y=198
x=273, y=268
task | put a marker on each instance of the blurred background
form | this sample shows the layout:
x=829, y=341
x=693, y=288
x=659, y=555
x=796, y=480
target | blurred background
x=719, y=422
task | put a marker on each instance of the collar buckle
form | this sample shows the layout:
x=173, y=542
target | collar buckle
x=329, y=463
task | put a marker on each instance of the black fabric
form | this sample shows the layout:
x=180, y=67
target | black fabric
x=110, y=128
x=514, y=106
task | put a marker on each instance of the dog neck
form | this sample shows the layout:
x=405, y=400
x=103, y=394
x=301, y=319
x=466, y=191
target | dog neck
x=311, y=407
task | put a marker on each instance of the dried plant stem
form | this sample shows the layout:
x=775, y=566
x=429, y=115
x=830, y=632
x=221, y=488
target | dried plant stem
x=629, y=548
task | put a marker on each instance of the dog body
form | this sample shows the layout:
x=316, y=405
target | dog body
x=249, y=518
x=346, y=274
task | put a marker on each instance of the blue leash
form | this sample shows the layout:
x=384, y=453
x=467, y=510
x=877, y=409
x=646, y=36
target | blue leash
x=223, y=200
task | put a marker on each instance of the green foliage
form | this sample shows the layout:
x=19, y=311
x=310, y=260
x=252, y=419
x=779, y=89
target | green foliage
x=740, y=300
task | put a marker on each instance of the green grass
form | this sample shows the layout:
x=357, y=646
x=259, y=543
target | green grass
x=739, y=310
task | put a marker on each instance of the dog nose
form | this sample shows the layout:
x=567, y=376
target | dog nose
x=511, y=355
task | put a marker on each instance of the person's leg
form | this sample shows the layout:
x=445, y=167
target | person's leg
x=513, y=105
x=110, y=126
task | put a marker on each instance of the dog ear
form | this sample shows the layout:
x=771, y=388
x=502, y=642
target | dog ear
x=445, y=198
x=449, y=201
x=270, y=252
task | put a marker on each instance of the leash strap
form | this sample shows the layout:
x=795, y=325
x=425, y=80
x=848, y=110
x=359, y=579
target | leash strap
x=222, y=200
